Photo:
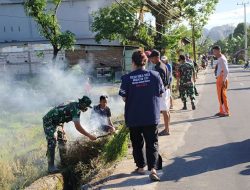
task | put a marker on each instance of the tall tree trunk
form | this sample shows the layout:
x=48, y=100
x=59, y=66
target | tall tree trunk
x=55, y=53
x=160, y=28
x=193, y=42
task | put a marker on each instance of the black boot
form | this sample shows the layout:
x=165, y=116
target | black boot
x=51, y=159
x=195, y=91
x=184, y=106
x=193, y=105
x=63, y=154
x=62, y=145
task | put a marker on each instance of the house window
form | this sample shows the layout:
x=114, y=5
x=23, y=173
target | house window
x=4, y=29
x=11, y=29
x=19, y=28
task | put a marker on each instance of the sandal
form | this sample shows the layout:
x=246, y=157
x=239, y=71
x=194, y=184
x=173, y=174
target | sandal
x=154, y=177
x=140, y=171
x=164, y=133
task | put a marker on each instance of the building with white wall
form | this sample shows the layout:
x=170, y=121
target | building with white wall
x=73, y=15
x=20, y=41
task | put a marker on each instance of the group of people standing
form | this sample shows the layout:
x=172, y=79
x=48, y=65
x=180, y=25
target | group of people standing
x=147, y=93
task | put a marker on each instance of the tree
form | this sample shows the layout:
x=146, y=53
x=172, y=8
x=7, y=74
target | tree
x=239, y=30
x=119, y=22
x=122, y=22
x=205, y=45
x=48, y=25
x=197, y=13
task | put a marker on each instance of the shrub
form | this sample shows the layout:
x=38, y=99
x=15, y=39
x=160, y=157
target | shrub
x=6, y=175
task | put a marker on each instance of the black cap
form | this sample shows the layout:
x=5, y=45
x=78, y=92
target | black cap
x=85, y=102
x=182, y=58
x=155, y=53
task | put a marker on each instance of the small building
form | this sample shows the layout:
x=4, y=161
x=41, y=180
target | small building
x=21, y=44
x=73, y=15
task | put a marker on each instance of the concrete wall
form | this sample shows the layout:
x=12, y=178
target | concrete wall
x=99, y=56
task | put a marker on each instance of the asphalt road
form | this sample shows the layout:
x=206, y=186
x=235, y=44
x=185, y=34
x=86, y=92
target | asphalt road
x=216, y=153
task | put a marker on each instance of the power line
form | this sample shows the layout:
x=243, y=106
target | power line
x=136, y=10
x=167, y=8
x=152, y=7
x=159, y=12
x=119, y=3
x=245, y=27
x=145, y=24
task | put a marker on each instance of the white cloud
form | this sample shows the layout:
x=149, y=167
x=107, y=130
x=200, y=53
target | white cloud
x=232, y=17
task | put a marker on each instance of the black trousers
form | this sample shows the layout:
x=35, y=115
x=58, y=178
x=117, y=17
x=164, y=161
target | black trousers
x=149, y=136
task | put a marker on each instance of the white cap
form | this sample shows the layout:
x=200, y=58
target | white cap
x=164, y=58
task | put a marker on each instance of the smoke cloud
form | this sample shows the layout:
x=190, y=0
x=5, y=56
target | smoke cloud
x=53, y=86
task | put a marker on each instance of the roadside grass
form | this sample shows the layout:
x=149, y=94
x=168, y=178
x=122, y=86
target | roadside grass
x=23, y=149
x=87, y=159
x=22, y=152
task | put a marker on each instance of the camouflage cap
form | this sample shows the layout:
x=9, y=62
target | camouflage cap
x=85, y=102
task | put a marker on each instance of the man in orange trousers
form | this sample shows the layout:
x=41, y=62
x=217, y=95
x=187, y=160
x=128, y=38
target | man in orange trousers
x=221, y=82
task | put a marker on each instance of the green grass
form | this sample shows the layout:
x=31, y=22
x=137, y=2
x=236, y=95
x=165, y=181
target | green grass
x=117, y=147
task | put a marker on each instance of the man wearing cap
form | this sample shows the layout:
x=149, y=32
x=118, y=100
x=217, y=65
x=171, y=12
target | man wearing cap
x=187, y=80
x=189, y=60
x=165, y=105
x=55, y=119
x=164, y=59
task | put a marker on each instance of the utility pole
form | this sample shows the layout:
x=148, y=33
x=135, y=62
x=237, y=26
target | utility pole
x=193, y=41
x=245, y=21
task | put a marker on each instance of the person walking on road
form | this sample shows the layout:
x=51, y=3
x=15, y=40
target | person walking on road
x=165, y=103
x=221, y=82
x=189, y=60
x=187, y=81
x=141, y=90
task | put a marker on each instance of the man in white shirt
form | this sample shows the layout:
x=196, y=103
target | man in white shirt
x=221, y=82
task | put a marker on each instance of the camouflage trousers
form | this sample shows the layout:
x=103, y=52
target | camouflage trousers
x=55, y=133
x=187, y=91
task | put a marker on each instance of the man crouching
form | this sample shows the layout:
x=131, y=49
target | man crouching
x=55, y=118
x=101, y=115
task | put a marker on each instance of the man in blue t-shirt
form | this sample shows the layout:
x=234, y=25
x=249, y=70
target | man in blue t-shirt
x=141, y=90
x=101, y=115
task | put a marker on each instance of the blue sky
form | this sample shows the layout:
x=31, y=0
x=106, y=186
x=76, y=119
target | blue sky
x=228, y=12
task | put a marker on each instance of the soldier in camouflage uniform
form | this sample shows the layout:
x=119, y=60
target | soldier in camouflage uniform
x=53, y=127
x=187, y=80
